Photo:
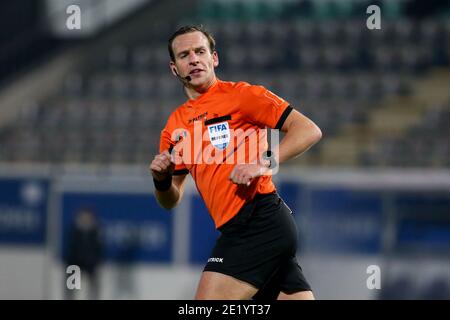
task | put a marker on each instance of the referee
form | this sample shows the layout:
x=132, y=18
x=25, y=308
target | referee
x=255, y=255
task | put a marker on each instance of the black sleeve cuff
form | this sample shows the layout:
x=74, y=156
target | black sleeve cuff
x=180, y=172
x=283, y=117
x=163, y=185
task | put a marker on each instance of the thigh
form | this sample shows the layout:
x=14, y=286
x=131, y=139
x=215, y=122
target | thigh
x=301, y=295
x=218, y=286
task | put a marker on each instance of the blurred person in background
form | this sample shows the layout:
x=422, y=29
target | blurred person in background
x=255, y=256
x=85, y=251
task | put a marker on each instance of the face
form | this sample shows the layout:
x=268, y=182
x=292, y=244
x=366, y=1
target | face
x=85, y=220
x=193, y=58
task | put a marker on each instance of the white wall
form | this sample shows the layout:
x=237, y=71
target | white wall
x=340, y=277
x=22, y=273
x=149, y=282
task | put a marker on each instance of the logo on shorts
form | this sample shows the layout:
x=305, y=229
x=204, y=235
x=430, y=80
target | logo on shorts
x=215, y=260
x=219, y=135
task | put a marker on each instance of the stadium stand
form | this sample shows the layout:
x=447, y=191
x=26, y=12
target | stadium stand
x=321, y=58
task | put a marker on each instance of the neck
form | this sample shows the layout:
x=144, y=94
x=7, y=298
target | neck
x=194, y=92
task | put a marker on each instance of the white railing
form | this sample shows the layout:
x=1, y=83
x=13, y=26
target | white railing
x=95, y=15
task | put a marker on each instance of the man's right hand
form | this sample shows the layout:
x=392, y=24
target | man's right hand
x=162, y=166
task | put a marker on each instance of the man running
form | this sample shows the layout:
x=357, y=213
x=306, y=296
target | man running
x=255, y=256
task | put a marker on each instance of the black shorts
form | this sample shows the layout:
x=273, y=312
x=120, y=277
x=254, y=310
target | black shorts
x=259, y=246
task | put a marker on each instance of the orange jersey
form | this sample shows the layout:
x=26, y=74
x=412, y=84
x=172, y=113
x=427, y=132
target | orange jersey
x=205, y=133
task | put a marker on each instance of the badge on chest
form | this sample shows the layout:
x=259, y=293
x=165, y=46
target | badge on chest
x=219, y=135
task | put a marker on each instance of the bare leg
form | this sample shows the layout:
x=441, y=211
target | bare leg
x=301, y=295
x=218, y=286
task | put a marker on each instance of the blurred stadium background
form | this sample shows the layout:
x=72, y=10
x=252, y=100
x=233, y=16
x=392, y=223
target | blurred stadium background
x=81, y=112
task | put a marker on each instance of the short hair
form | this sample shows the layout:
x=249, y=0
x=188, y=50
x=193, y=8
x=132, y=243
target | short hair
x=189, y=29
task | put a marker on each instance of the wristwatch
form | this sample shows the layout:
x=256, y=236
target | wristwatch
x=269, y=156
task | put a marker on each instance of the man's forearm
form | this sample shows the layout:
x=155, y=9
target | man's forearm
x=168, y=199
x=298, y=139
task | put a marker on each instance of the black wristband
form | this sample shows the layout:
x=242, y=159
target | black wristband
x=163, y=185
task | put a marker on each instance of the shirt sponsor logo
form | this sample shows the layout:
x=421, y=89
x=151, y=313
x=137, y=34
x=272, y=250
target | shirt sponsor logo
x=220, y=260
x=199, y=117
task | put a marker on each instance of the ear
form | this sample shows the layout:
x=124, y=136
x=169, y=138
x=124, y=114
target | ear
x=173, y=68
x=215, y=59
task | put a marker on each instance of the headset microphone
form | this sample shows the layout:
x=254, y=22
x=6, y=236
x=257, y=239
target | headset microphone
x=183, y=79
